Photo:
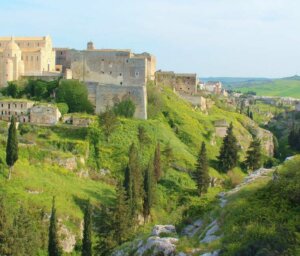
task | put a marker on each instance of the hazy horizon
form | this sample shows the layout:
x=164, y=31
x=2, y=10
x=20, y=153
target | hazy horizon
x=214, y=38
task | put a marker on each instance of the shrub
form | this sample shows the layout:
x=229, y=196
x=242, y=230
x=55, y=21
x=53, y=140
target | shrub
x=125, y=108
x=63, y=108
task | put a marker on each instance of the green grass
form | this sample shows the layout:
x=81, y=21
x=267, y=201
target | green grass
x=279, y=87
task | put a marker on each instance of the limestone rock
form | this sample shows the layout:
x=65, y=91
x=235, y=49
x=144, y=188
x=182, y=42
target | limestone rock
x=68, y=240
x=163, y=229
x=158, y=246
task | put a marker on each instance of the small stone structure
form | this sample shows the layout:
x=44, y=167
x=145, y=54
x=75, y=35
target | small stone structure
x=109, y=95
x=15, y=107
x=297, y=107
x=78, y=120
x=213, y=87
x=221, y=128
x=181, y=82
x=44, y=114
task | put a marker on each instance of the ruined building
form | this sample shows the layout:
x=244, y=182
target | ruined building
x=111, y=75
x=25, y=56
x=180, y=82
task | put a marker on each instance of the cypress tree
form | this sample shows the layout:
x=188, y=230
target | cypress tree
x=142, y=135
x=11, y=146
x=136, y=175
x=253, y=158
x=121, y=217
x=53, y=244
x=87, y=232
x=128, y=179
x=148, y=192
x=157, y=164
x=201, y=174
x=228, y=157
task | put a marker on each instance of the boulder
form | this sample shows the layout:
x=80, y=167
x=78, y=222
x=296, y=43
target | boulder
x=158, y=246
x=163, y=229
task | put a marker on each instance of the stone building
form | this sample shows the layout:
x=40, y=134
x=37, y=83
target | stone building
x=44, y=114
x=213, y=87
x=15, y=107
x=181, y=82
x=111, y=75
x=25, y=56
x=107, y=66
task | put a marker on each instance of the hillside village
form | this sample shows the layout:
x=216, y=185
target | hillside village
x=82, y=155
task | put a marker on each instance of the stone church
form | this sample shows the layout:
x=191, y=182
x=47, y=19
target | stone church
x=25, y=56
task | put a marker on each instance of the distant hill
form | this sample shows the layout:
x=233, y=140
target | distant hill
x=285, y=87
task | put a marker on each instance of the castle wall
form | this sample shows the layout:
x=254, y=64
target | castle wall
x=186, y=83
x=109, y=95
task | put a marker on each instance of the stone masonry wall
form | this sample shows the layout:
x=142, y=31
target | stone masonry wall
x=108, y=95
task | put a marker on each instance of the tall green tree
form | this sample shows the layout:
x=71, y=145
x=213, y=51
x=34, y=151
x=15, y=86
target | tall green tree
x=125, y=108
x=142, y=135
x=254, y=155
x=108, y=122
x=53, y=243
x=148, y=191
x=87, y=232
x=157, y=163
x=128, y=180
x=136, y=183
x=228, y=158
x=201, y=173
x=11, y=146
x=121, y=216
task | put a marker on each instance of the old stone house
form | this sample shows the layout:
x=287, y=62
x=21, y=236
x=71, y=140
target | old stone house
x=19, y=108
x=44, y=114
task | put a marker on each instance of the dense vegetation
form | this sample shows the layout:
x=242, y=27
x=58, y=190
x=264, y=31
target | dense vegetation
x=265, y=220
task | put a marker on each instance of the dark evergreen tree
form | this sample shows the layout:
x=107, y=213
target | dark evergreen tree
x=168, y=153
x=148, y=191
x=12, y=146
x=53, y=243
x=136, y=178
x=128, y=180
x=228, y=157
x=201, y=173
x=121, y=216
x=251, y=115
x=142, y=135
x=157, y=163
x=87, y=232
x=108, y=122
x=254, y=156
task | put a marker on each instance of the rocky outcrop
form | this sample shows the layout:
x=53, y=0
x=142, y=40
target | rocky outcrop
x=163, y=229
x=68, y=163
x=68, y=239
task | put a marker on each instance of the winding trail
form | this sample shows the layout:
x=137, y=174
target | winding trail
x=211, y=231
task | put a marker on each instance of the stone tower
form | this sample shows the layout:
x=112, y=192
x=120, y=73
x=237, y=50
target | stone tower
x=13, y=65
x=90, y=46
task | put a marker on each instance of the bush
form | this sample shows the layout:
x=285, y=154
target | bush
x=63, y=108
x=125, y=108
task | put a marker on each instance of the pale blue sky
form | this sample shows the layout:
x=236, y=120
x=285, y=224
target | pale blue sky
x=209, y=37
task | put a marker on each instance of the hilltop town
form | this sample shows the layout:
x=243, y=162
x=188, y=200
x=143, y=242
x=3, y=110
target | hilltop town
x=110, y=75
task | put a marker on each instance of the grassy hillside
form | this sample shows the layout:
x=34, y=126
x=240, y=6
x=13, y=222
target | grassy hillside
x=58, y=161
x=280, y=87
x=263, y=219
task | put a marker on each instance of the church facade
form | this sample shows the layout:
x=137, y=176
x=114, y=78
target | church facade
x=25, y=56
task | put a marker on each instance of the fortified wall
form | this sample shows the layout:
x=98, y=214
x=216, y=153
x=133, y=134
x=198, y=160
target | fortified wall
x=181, y=82
x=109, y=95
